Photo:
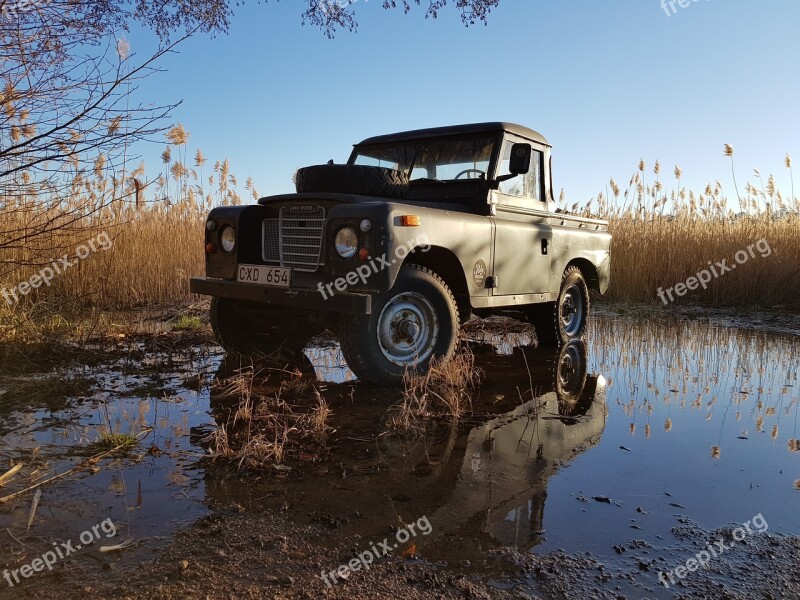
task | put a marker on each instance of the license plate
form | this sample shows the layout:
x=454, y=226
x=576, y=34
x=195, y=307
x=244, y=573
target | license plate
x=274, y=276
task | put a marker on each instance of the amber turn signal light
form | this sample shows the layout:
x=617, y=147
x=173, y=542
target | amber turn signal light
x=210, y=248
x=363, y=254
x=410, y=221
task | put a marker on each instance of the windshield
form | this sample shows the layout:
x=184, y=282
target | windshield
x=438, y=161
x=399, y=158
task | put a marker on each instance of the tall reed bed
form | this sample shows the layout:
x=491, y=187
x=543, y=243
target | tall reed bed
x=648, y=256
x=662, y=237
x=154, y=233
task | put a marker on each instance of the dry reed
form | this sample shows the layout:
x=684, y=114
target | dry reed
x=261, y=426
x=443, y=390
x=662, y=237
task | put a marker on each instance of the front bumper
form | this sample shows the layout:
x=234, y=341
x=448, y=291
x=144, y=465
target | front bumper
x=294, y=298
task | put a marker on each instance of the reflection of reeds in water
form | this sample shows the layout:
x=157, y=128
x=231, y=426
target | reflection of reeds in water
x=744, y=381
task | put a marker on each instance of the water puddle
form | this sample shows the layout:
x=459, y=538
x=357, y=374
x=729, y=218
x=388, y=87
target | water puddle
x=147, y=494
x=599, y=448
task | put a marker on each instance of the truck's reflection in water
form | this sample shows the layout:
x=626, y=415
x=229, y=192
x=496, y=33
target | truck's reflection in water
x=481, y=483
x=501, y=487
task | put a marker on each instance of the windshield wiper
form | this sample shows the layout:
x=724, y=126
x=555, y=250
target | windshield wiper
x=426, y=180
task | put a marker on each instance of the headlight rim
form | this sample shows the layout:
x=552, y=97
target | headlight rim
x=352, y=250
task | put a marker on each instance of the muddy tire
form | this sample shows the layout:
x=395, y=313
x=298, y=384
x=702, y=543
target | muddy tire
x=566, y=320
x=352, y=179
x=411, y=324
x=244, y=329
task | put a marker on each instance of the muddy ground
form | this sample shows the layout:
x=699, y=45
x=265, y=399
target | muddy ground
x=558, y=483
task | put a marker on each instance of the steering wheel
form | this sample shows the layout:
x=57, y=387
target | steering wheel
x=467, y=171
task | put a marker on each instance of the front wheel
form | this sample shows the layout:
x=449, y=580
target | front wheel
x=411, y=324
x=566, y=320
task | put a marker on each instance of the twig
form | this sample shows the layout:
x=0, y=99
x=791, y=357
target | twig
x=10, y=473
x=121, y=546
x=36, y=497
x=20, y=542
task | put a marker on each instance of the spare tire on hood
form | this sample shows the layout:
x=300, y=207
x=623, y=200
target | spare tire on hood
x=352, y=179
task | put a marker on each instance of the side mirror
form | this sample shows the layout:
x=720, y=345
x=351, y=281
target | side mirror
x=520, y=162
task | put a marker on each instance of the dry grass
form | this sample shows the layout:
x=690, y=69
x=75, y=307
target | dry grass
x=262, y=426
x=662, y=251
x=663, y=234
x=154, y=232
x=155, y=250
x=444, y=390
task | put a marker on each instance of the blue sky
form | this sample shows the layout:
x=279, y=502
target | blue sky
x=606, y=82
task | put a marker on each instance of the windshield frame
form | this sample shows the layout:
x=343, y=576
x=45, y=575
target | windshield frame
x=416, y=144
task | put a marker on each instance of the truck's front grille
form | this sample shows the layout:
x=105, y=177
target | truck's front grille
x=271, y=234
x=296, y=238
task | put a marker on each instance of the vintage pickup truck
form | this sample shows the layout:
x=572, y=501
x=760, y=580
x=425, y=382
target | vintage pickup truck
x=401, y=245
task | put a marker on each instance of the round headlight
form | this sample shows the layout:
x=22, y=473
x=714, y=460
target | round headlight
x=346, y=242
x=227, y=237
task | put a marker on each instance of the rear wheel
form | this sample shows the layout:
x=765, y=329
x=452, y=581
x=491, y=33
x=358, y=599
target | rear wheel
x=560, y=322
x=245, y=328
x=570, y=376
x=410, y=325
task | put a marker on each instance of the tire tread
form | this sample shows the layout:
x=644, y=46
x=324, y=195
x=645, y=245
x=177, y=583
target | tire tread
x=352, y=179
x=362, y=365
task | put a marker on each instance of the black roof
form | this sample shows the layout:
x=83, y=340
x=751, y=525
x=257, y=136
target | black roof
x=475, y=128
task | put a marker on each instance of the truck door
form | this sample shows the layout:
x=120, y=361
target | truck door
x=522, y=235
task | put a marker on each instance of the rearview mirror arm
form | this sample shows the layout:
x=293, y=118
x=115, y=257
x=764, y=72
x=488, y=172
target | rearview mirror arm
x=495, y=183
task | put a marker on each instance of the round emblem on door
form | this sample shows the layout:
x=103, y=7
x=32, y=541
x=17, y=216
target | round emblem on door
x=479, y=274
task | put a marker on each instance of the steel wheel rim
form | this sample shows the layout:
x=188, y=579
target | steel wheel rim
x=572, y=310
x=569, y=370
x=408, y=329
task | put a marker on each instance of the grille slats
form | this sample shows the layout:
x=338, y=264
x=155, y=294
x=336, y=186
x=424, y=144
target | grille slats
x=295, y=239
x=270, y=236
